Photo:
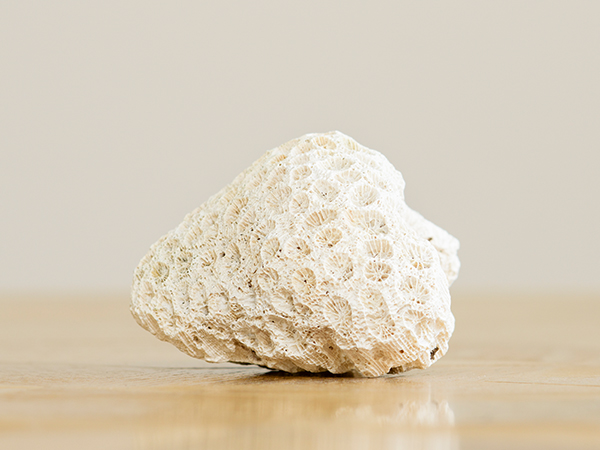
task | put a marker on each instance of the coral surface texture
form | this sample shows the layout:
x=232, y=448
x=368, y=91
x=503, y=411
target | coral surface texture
x=310, y=260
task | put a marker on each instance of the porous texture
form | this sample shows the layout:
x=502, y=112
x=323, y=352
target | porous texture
x=309, y=261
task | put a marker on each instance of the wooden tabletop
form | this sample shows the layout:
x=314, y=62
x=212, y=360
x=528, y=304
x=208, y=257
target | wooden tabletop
x=78, y=373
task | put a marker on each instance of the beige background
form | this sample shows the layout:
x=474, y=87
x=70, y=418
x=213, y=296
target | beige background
x=119, y=117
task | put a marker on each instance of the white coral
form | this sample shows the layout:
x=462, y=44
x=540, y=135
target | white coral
x=310, y=260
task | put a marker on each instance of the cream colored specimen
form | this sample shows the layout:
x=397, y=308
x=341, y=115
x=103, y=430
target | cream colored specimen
x=310, y=260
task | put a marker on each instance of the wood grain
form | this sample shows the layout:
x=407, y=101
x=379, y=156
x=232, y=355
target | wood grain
x=77, y=372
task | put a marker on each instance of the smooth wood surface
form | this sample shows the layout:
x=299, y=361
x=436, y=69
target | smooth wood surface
x=78, y=373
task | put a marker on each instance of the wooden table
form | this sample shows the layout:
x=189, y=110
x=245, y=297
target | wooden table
x=77, y=372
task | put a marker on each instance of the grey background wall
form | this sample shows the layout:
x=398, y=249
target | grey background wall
x=119, y=117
